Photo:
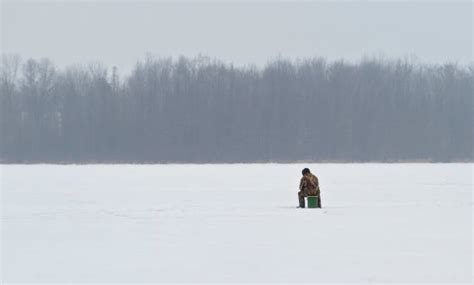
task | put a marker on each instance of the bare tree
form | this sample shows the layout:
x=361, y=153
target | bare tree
x=203, y=110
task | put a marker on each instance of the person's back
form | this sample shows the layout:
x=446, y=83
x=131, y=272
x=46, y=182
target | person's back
x=309, y=184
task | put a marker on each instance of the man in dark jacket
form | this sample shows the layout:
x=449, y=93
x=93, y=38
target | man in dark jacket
x=309, y=186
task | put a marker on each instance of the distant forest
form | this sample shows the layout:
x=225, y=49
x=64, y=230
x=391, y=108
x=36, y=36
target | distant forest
x=201, y=110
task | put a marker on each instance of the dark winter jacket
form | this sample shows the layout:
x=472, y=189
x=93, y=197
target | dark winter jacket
x=309, y=185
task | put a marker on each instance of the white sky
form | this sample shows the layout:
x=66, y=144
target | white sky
x=242, y=32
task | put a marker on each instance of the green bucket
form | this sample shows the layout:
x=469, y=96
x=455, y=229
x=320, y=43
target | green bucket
x=313, y=202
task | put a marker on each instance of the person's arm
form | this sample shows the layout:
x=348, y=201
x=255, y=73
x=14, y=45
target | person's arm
x=302, y=182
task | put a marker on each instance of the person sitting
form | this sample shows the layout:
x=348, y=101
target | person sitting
x=309, y=186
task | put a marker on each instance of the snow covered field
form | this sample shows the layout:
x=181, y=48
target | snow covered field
x=203, y=223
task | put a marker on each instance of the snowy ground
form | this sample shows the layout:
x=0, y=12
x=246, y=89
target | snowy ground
x=190, y=223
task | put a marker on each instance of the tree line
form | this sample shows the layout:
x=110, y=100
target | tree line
x=203, y=110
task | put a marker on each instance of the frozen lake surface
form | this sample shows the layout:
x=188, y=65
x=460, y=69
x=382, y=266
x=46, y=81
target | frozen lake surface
x=204, y=223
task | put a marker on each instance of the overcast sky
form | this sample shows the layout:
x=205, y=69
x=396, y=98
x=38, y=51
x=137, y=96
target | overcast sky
x=240, y=32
